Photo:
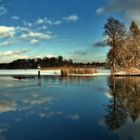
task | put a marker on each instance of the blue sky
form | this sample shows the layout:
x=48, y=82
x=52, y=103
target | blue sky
x=39, y=28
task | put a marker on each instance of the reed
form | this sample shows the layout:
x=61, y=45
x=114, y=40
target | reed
x=70, y=71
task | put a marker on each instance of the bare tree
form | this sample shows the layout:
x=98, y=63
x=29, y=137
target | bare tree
x=115, y=32
x=135, y=43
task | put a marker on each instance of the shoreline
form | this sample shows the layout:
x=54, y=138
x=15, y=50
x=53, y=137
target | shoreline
x=50, y=72
x=57, y=72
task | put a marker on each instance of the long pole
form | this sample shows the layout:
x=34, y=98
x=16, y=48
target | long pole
x=39, y=72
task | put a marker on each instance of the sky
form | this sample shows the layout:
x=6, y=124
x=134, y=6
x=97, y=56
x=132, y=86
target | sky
x=50, y=28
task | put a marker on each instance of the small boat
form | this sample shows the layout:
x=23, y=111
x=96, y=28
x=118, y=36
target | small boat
x=20, y=77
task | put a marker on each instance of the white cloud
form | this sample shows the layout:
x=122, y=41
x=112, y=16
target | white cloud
x=11, y=55
x=15, y=17
x=36, y=35
x=34, y=41
x=50, y=55
x=28, y=24
x=46, y=21
x=100, y=11
x=21, y=57
x=44, y=27
x=22, y=29
x=39, y=35
x=46, y=55
x=6, y=43
x=14, y=53
x=129, y=8
x=3, y=10
x=40, y=21
x=58, y=22
x=7, y=32
x=71, y=18
x=133, y=15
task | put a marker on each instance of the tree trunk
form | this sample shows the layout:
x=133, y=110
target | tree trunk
x=113, y=61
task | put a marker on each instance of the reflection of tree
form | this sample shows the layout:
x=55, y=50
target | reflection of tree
x=125, y=101
x=116, y=111
x=76, y=79
x=67, y=79
x=133, y=97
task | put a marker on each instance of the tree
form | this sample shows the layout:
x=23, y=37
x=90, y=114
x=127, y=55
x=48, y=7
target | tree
x=60, y=60
x=115, y=32
x=135, y=43
x=134, y=29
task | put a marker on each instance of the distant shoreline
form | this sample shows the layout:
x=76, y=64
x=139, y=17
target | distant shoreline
x=53, y=72
x=57, y=72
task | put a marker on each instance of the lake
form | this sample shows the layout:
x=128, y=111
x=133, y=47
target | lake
x=70, y=108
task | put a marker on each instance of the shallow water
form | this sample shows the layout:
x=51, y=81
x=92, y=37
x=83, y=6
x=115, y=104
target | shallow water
x=69, y=108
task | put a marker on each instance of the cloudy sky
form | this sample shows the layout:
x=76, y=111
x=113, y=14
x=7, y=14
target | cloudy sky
x=39, y=28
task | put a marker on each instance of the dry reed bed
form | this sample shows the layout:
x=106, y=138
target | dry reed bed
x=76, y=71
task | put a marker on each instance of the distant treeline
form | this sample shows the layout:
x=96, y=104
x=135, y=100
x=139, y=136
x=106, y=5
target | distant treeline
x=47, y=62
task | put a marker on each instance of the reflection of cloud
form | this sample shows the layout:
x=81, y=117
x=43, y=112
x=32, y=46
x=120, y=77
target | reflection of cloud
x=30, y=103
x=130, y=130
x=18, y=119
x=102, y=122
x=6, y=106
x=48, y=114
x=38, y=100
x=4, y=127
x=73, y=117
x=108, y=95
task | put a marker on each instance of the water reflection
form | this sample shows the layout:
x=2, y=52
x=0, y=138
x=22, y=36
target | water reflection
x=63, y=79
x=124, y=101
x=68, y=79
x=70, y=107
x=42, y=107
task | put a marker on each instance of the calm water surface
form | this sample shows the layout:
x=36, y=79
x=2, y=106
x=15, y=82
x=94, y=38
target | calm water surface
x=72, y=108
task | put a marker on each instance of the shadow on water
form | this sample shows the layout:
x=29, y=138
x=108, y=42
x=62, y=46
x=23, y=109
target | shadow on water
x=22, y=77
x=64, y=79
x=124, y=101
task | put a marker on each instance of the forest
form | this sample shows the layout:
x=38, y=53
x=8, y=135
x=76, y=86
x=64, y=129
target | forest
x=47, y=63
x=124, y=42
